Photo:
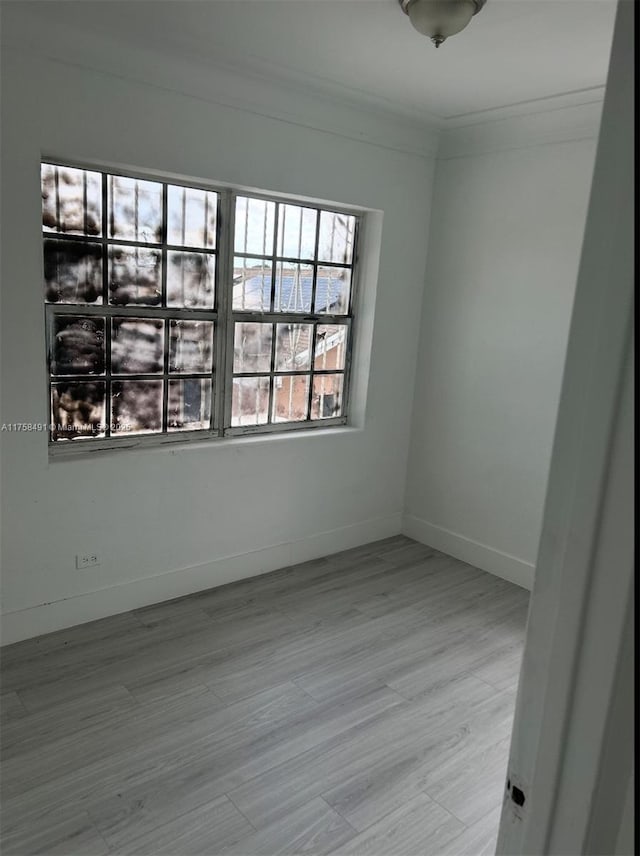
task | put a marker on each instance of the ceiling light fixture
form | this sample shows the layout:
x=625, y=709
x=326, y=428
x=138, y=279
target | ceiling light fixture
x=440, y=19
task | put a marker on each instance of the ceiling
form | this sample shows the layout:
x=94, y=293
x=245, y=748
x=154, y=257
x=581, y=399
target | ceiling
x=514, y=51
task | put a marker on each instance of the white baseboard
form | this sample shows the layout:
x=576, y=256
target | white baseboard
x=67, y=612
x=467, y=550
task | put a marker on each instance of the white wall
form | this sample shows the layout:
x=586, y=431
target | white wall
x=167, y=522
x=509, y=207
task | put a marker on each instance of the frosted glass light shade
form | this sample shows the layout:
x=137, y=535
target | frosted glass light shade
x=440, y=19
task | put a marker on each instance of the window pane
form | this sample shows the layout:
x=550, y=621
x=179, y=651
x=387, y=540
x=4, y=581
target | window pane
x=251, y=285
x=71, y=200
x=137, y=345
x=78, y=345
x=72, y=272
x=326, y=401
x=254, y=226
x=250, y=401
x=135, y=276
x=290, y=398
x=294, y=284
x=136, y=406
x=135, y=209
x=331, y=342
x=191, y=279
x=337, y=233
x=190, y=346
x=191, y=217
x=252, y=347
x=293, y=347
x=296, y=232
x=105, y=234
x=77, y=410
x=333, y=288
x=189, y=405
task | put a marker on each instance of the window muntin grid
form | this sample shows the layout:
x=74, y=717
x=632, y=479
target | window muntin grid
x=143, y=257
x=292, y=284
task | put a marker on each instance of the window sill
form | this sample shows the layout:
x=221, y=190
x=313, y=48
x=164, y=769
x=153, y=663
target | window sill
x=161, y=444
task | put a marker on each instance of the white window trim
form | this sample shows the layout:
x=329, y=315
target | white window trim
x=223, y=315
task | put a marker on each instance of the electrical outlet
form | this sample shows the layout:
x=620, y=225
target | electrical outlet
x=87, y=560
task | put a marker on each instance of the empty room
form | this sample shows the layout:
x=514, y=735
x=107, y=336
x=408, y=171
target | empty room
x=316, y=405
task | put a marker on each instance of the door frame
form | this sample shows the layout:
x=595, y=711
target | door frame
x=571, y=718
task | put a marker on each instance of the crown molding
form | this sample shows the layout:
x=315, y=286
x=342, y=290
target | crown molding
x=266, y=89
x=254, y=88
x=558, y=101
x=551, y=122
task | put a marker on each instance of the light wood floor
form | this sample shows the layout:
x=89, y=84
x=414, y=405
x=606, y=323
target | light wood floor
x=359, y=704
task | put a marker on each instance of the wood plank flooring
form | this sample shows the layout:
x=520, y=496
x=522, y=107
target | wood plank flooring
x=358, y=704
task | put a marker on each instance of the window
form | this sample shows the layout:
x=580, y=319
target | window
x=178, y=311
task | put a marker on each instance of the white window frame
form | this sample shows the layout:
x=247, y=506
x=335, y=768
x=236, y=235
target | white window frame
x=223, y=315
